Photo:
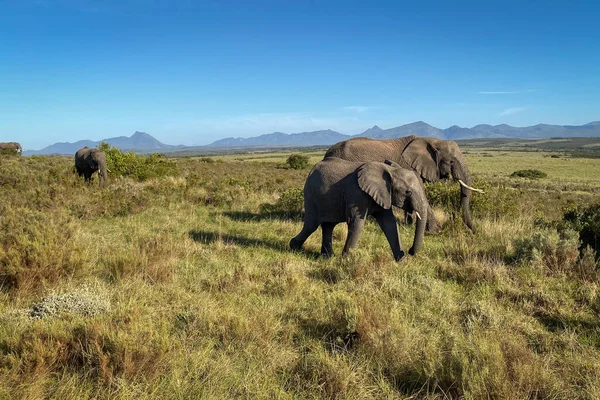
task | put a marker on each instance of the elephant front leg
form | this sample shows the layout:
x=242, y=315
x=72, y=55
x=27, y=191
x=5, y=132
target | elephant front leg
x=327, y=242
x=355, y=227
x=387, y=223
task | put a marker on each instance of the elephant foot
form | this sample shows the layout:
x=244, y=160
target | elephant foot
x=327, y=254
x=399, y=256
x=433, y=230
x=295, y=244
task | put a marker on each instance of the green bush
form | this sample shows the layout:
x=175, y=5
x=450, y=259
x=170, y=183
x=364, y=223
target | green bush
x=137, y=166
x=495, y=201
x=9, y=152
x=529, y=174
x=297, y=161
x=586, y=221
x=549, y=249
x=291, y=203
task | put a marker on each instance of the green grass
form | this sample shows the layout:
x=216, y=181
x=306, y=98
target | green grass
x=206, y=301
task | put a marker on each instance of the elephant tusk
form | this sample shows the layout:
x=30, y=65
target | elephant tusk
x=108, y=170
x=469, y=187
x=418, y=215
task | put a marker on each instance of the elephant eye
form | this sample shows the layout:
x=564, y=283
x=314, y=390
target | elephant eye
x=451, y=162
x=408, y=192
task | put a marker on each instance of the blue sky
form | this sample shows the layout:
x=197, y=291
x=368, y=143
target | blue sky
x=192, y=72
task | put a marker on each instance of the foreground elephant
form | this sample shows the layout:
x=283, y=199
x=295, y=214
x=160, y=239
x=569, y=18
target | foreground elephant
x=88, y=161
x=11, y=146
x=432, y=159
x=342, y=191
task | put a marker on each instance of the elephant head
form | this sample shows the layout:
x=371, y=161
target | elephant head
x=389, y=185
x=435, y=159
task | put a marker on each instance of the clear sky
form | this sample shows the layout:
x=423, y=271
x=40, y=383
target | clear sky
x=191, y=72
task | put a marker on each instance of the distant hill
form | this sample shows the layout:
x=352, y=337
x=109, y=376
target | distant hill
x=140, y=142
x=416, y=128
x=315, y=138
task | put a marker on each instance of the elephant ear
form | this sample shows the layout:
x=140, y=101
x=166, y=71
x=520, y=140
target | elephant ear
x=375, y=180
x=422, y=156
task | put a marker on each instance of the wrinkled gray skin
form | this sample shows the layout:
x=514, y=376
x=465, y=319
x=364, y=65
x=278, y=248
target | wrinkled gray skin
x=337, y=191
x=432, y=159
x=11, y=146
x=88, y=161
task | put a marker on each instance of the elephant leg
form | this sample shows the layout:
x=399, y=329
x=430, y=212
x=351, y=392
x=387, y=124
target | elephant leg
x=432, y=225
x=387, y=223
x=88, y=176
x=327, y=242
x=355, y=227
x=310, y=225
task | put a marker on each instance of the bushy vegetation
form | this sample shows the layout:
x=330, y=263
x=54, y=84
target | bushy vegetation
x=290, y=203
x=586, y=221
x=297, y=161
x=137, y=166
x=529, y=174
x=9, y=153
x=183, y=287
x=497, y=200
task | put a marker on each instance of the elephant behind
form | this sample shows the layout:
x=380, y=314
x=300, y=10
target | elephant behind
x=337, y=191
x=11, y=146
x=431, y=159
x=88, y=161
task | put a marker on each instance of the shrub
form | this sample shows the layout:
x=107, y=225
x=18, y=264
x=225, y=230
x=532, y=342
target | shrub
x=9, y=152
x=36, y=248
x=586, y=221
x=297, y=161
x=85, y=301
x=290, y=203
x=137, y=166
x=549, y=249
x=554, y=156
x=529, y=174
x=495, y=202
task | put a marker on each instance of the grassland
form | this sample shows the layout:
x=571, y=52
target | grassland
x=184, y=287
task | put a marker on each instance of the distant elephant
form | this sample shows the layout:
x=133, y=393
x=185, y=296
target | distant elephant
x=343, y=191
x=11, y=146
x=88, y=161
x=432, y=159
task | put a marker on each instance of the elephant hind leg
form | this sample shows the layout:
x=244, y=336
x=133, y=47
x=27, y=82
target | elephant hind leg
x=327, y=242
x=310, y=225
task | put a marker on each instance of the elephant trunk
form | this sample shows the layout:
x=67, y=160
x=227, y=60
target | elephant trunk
x=102, y=174
x=419, y=232
x=420, y=206
x=460, y=172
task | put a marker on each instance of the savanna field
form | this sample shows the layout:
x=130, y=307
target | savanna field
x=176, y=282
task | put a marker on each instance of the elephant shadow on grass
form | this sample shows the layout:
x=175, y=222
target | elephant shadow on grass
x=207, y=237
x=243, y=216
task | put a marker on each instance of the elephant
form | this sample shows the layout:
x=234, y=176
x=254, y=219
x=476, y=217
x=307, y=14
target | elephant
x=431, y=159
x=11, y=146
x=88, y=161
x=338, y=190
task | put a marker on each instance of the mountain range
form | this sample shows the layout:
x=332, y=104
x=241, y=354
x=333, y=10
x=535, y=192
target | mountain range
x=140, y=142
x=145, y=143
